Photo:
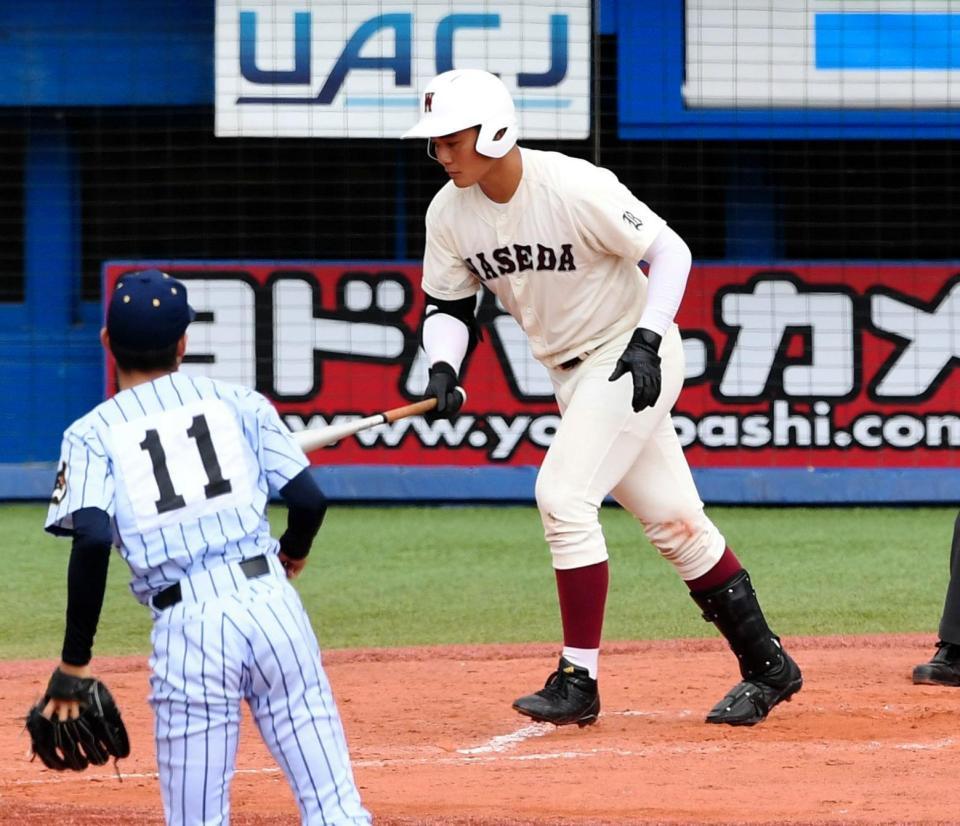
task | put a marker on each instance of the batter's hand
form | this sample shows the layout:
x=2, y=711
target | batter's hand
x=640, y=359
x=444, y=387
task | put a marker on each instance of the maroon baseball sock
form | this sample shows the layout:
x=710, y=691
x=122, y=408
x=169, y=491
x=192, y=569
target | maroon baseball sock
x=727, y=566
x=583, y=596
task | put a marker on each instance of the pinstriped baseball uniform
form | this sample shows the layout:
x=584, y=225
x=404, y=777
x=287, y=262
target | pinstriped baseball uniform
x=185, y=467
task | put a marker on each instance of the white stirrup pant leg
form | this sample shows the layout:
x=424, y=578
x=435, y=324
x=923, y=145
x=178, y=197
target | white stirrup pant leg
x=600, y=439
x=660, y=492
x=658, y=489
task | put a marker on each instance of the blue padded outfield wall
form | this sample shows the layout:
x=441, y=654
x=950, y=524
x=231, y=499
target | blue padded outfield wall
x=857, y=402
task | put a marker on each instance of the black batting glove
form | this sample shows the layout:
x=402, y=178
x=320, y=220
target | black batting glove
x=443, y=387
x=640, y=359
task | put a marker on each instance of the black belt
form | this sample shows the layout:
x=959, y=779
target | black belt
x=252, y=568
x=569, y=364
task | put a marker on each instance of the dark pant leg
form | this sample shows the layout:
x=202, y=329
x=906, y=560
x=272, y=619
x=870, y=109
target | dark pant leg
x=950, y=622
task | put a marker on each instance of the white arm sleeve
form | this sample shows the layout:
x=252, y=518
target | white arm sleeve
x=445, y=338
x=669, y=259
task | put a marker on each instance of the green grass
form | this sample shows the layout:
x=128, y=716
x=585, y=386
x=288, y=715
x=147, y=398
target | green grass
x=412, y=576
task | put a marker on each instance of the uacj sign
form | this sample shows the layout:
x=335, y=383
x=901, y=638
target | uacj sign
x=312, y=68
x=787, y=366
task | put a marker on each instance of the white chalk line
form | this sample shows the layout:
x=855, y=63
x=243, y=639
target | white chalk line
x=74, y=777
x=676, y=715
x=505, y=742
x=496, y=748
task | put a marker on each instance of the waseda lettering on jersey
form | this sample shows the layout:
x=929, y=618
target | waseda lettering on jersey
x=520, y=258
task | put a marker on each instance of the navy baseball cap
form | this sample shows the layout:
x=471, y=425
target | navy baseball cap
x=148, y=311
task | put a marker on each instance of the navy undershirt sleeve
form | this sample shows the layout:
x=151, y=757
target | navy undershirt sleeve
x=86, y=582
x=306, y=507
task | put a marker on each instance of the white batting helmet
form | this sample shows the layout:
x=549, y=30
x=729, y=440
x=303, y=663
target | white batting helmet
x=462, y=98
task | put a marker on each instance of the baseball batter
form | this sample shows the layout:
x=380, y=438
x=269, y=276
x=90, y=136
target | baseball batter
x=177, y=472
x=559, y=241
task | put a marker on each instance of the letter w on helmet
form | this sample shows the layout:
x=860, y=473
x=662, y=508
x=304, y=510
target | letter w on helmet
x=463, y=98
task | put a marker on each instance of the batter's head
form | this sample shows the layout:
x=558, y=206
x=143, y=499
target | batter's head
x=463, y=98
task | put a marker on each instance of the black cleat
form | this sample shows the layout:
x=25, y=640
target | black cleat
x=569, y=696
x=750, y=701
x=943, y=669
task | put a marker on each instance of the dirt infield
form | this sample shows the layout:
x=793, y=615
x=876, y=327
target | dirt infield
x=434, y=741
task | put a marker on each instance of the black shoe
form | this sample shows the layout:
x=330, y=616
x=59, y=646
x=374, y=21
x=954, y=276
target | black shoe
x=943, y=669
x=749, y=702
x=570, y=696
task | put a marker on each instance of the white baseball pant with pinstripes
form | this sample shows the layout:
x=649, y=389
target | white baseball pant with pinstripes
x=233, y=639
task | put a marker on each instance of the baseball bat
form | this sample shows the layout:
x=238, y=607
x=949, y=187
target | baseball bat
x=318, y=437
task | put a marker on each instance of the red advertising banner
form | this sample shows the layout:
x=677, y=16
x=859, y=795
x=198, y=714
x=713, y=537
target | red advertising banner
x=787, y=365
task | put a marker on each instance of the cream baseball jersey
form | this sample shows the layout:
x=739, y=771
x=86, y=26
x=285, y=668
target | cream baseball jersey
x=562, y=256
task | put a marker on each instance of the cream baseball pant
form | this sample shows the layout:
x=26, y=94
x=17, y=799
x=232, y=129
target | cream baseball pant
x=602, y=447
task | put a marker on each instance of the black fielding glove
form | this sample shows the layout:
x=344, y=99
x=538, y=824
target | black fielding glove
x=443, y=386
x=640, y=359
x=93, y=738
